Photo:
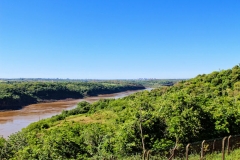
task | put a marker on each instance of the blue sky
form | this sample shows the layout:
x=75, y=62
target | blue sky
x=112, y=39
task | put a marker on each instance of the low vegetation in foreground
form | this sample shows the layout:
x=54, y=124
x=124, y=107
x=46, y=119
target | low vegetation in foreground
x=234, y=155
x=205, y=107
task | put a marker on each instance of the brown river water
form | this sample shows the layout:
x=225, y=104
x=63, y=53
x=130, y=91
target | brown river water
x=15, y=120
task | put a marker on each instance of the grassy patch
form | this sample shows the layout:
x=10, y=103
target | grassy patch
x=83, y=119
x=234, y=155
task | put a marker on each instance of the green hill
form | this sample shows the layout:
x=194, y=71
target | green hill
x=16, y=94
x=205, y=107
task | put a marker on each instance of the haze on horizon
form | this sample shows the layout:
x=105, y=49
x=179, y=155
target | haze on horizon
x=117, y=39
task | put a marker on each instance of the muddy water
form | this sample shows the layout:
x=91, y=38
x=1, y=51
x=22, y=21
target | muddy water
x=13, y=121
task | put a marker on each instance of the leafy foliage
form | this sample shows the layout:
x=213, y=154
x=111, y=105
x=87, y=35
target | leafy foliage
x=204, y=107
x=14, y=95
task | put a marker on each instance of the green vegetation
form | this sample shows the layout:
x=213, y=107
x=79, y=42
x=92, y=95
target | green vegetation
x=234, y=155
x=204, y=107
x=14, y=95
x=149, y=83
x=155, y=83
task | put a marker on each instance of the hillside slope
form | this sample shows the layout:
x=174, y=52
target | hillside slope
x=204, y=107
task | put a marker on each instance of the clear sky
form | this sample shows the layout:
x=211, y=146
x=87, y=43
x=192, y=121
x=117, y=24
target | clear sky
x=108, y=39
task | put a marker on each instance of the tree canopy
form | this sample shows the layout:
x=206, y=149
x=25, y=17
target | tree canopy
x=14, y=95
x=205, y=107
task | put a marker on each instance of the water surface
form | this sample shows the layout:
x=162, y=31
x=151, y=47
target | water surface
x=13, y=121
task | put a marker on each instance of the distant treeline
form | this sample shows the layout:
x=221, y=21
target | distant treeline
x=152, y=83
x=14, y=95
x=155, y=83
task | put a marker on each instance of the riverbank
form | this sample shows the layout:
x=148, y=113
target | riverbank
x=14, y=120
x=17, y=95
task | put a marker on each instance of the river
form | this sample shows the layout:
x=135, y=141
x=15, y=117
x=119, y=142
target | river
x=13, y=121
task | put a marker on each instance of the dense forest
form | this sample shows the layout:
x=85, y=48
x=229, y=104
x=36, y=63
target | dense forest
x=205, y=107
x=155, y=83
x=14, y=95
